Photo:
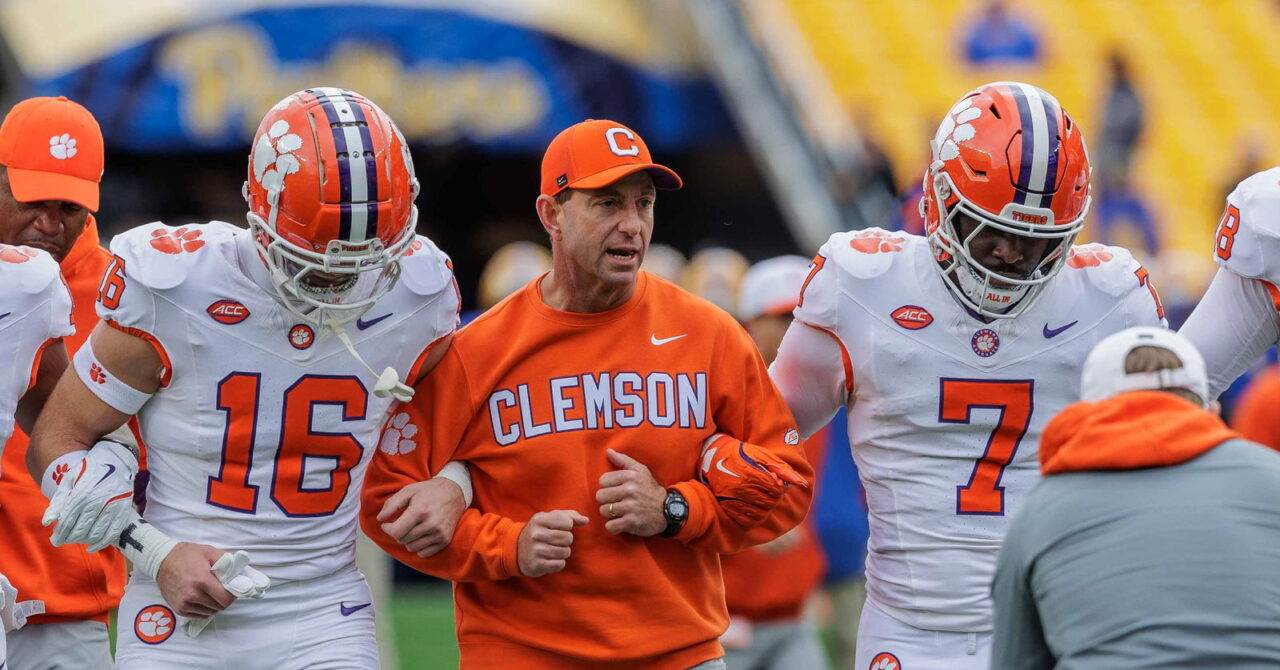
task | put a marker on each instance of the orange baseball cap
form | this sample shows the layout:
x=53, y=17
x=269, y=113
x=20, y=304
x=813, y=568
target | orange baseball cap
x=54, y=151
x=596, y=153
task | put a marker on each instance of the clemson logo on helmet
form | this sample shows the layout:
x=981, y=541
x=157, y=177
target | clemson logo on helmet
x=956, y=128
x=10, y=254
x=885, y=661
x=397, y=437
x=154, y=624
x=876, y=241
x=273, y=157
x=176, y=241
x=1088, y=256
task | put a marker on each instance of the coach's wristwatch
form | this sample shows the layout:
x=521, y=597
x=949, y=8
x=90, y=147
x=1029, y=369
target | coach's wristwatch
x=676, y=509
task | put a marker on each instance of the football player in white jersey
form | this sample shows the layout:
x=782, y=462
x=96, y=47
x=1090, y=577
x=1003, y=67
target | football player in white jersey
x=242, y=355
x=1238, y=318
x=950, y=352
x=35, y=312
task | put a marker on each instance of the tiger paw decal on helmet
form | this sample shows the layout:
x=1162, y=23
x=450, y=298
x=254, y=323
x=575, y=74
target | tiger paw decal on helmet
x=956, y=128
x=273, y=157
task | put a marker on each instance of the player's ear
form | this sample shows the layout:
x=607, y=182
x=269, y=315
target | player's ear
x=549, y=215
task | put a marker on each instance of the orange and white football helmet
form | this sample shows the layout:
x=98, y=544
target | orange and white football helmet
x=330, y=191
x=1008, y=156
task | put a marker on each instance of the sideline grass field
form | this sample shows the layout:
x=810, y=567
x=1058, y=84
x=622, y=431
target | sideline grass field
x=423, y=620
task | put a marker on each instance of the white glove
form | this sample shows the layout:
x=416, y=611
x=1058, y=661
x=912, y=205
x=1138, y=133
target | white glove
x=95, y=506
x=238, y=578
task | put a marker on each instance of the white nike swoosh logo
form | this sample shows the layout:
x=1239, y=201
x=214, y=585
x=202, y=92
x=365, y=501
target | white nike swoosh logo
x=720, y=466
x=659, y=342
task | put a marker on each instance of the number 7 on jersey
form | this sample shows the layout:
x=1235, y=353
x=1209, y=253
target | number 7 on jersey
x=958, y=397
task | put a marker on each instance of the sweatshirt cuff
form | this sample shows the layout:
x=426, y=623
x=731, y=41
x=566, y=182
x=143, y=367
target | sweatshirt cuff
x=702, y=510
x=511, y=547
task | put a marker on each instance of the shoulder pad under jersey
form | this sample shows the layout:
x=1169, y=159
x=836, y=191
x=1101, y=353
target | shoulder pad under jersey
x=1111, y=270
x=30, y=271
x=160, y=256
x=868, y=253
x=858, y=255
x=425, y=269
x=1247, y=240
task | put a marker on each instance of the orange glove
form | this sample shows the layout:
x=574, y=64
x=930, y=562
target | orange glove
x=747, y=480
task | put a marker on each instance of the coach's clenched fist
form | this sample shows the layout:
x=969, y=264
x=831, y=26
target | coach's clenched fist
x=631, y=498
x=543, y=545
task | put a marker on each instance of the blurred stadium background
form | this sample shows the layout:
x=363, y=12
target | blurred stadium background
x=789, y=119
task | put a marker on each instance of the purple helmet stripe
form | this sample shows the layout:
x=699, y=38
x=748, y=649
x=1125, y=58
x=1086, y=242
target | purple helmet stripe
x=344, y=170
x=370, y=171
x=1051, y=112
x=1028, y=145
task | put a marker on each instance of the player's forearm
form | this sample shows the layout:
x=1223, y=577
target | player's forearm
x=73, y=419
x=1234, y=323
x=52, y=364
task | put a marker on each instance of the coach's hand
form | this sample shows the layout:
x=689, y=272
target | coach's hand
x=631, y=498
x=431, y=512
x=188, y=584
x=543, y=545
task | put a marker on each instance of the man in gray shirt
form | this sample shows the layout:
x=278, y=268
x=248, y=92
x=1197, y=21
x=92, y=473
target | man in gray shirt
x=1153, y=540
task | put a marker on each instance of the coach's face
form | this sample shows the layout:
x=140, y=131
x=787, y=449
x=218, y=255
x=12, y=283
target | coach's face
x=604, y=232
x=49, y=225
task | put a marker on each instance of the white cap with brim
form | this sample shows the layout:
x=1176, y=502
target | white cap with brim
x=772, y=287
x=1104, y=374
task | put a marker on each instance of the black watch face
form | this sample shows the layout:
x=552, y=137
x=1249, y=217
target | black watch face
x=678, y=509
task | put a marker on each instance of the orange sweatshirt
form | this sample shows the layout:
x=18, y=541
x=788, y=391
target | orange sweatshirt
x=766, y=586
x=73, y=584
x=532, y=398
x=1255, y=414
x=1140, y=429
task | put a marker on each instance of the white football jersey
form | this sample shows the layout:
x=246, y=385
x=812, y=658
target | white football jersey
x=1236, y=319
x=946, y=411
x=36, y=308
x=260, y=433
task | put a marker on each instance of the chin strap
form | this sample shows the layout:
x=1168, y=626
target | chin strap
x=388, y=383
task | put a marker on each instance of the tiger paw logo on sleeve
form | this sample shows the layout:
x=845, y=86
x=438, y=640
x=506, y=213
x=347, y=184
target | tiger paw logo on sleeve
x=397, y=437
x=10, y=254
x=176, y=241
x=876, y=241
x=1088, y=256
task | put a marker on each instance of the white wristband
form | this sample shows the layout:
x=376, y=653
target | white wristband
x=144, y=545
x=456, y=472
x=119, y=395
x=70, y=463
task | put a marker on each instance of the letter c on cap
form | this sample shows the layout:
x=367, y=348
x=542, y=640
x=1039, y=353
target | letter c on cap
x=612, y=136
